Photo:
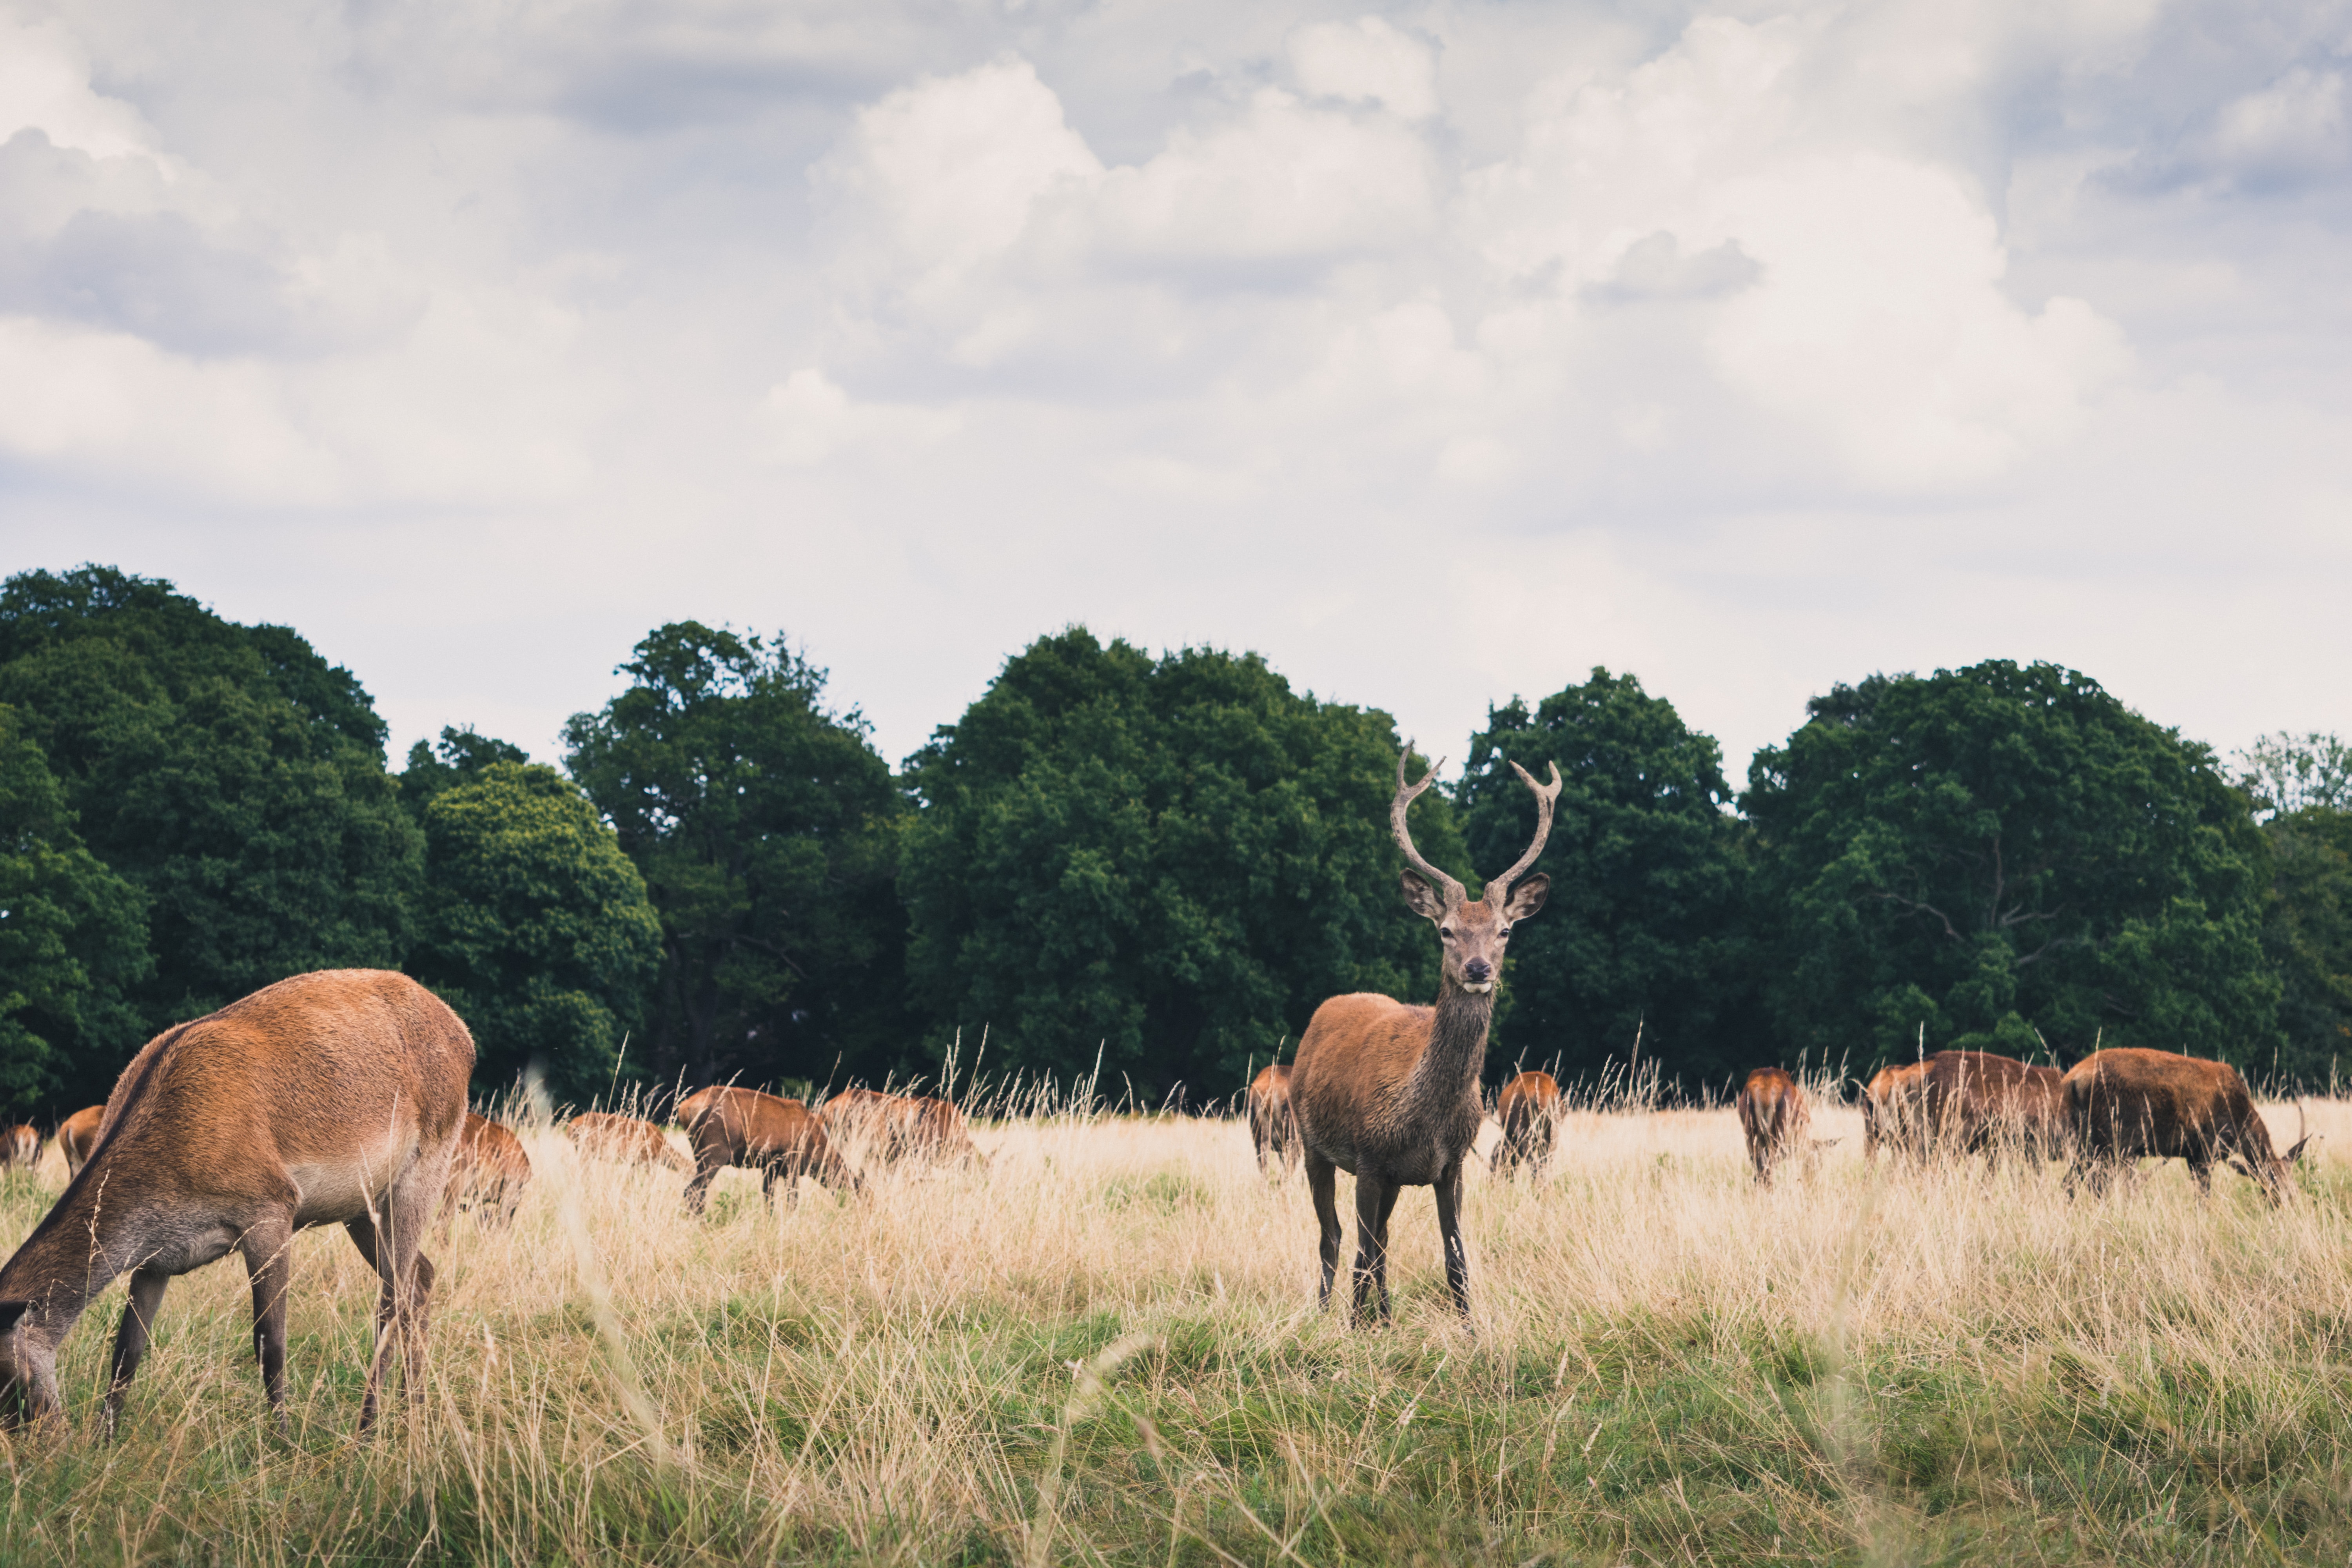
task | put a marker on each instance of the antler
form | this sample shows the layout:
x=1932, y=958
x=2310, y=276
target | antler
x=1545, y=795
x=1405, y=795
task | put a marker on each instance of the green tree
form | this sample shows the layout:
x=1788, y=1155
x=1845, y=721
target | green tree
x=73, y=940
x=2001, y=856
x=2307, y=932
x=1644, y=929
x=228, y=772
x=457, y=758
x=763, y=823
x=535, y=927
x=1172, y=862
x=2285, y=772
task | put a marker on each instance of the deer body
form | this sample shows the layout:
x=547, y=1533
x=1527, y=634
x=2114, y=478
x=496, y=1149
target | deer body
x=626, y=1139
x=1978, y=1103
x=1528, y=1112
x=883, y=1129
x=781, y=1138
x=1274, y=1129
x=488, y=1173
x=2128, y=1103
x=1389, y=1091
x=327, y=1099
x=1773, y=1118
x=1891, y=1106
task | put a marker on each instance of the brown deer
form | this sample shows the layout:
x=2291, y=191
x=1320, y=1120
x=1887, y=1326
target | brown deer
x=624, y=1139
x=1274, y=1129
x=489, y=1173
x=1891, y=1103
x=781, y=1138
x=1772, y=1115
x=77, y=1135
x=885, y=1129
x=1975, y=1103
x=2125, y=1103
x=20, y=1148
x=1529, y=1110
x=327, y=1099
x=1389, y=1091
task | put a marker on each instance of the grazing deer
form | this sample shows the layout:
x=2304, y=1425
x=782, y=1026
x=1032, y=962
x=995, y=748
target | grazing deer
x=1528, y=1110
x=1390, y=1091
x=327, y=1099
x=781, y=1138
x=1892, y=1104
x=77, y=1135
x=2125, y=1103
x=624, y=1138
x=1274, y=1128
x=20, y=1148
x=1772, y=1115
x=1976, y=1103
x=885, y=1129
x=489, y=1173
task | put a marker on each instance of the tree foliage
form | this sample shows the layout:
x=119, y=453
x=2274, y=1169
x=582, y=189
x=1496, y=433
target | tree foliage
x=458, y=757
x=2002, y=855
x=763, y=825
x=2307, y=936
x=228, y=772
x=1168, y=861
x=535, y=927
x=1644, y=931
x=2285, y=772
x=73, y=941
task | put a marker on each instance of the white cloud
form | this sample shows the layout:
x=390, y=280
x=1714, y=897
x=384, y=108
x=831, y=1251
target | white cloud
x=1368, y=61
x=45, y=86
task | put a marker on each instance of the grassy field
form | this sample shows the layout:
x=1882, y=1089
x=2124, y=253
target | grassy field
x=1105, y=1349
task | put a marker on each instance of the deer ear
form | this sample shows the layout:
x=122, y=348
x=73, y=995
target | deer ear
x=10, y=1311
x=1421, y=898
x=1527, y=897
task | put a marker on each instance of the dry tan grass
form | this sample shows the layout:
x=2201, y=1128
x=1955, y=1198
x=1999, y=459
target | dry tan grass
x=1105, y=1346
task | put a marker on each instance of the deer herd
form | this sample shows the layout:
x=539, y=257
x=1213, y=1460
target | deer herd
x=340, y=1098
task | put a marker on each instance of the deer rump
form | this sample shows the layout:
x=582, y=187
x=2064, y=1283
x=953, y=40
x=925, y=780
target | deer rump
x=1975, y=1103
x=781, y=1138
x=489, y=1173
x=1528, y=1112
x=1773, y=1118
x=1273, y=1127
x=2130, y=1103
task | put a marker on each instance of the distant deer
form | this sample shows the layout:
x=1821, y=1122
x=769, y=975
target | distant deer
x=20, y=1148
x=1773, y=1117
x=885, y=1129
x=489, y=1173
x=1529, y=1110
x=1976, y=1103
x=1390, y=1091
x=781, y=1138
x=77, y=1135
x=624, y=1139
x=2125, y=1103
x=327, y=1099
x=1893, y=1104
x=1274, y=1128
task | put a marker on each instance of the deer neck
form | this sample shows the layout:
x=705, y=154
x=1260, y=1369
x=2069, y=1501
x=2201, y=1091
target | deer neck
x=72, y=1255
x=1457, y=1045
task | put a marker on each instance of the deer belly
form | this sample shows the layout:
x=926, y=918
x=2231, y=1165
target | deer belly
x=343, y=1190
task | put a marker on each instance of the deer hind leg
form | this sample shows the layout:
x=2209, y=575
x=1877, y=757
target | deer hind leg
x=130, y=1339
x=1449, y=1228
x=1322, y=1182
x=404, y=1305
x=268, y=1250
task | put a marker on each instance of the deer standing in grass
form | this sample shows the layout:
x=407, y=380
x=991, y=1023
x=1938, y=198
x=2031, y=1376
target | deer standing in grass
x=1274, y=1131
x=20, y=1148
x=1389, y=1091
x=1773, y=1117
x=1528, y=1112
x=329, y=1099
x=77, y=1135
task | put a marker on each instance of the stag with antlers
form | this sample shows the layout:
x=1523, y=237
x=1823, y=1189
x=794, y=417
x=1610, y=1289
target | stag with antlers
x=1389, y=1092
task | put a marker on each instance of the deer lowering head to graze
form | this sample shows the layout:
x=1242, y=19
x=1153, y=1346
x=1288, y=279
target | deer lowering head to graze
x=1975, y=1103
x=1892, y=1111
x=77, y=1135
x=327, y=1099
x=20, y=1148
x=2127, y=1103
x=1773, y=1117
x=624, y=1139
x=1528, y=1112
x=1274, y=1131
x=1390, y=1091
x=488, y=1174
x=781, y=1138
x=880, y=1130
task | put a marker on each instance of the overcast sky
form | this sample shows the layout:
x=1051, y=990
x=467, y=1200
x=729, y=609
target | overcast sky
x=1439, y=352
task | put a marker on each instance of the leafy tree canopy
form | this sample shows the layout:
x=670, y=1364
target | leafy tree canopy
x=2285, y=773
x=2001, y=856
x=228, y=772
x=458, y=757
x=763, y=825
x=1643, y=931
x=1169, y=862
x=2307, y=934
x=535, y=927
x=73, y=941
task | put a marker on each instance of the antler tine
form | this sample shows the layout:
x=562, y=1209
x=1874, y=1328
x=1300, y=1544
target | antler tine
x=1545, y=795
x=1406, y=795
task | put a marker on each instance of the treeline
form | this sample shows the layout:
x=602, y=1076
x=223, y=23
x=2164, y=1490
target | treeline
x=1155, y=866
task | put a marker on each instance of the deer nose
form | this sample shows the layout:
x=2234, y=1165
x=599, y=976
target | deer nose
x=1478, y=969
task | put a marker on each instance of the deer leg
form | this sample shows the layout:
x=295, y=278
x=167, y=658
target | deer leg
x=711, y=1155
x=1449, y=1227
x=1322, y=1181
x=1374, y=1198
x=130, y=1339
x=2200, y=1171
x=269, y=1250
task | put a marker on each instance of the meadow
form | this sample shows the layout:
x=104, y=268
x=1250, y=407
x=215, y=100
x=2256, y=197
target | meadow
x=1105, y=1348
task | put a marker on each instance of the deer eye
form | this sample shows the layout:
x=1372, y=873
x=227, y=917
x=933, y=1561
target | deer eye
x=1446, y=931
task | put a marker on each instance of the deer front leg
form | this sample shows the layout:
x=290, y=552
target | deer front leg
x=1374, y=1198
x=130, y=1339
x=1322, y=1181
x=268, y=1251
x=1449, y=1228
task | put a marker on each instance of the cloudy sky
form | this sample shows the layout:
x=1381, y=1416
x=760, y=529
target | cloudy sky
x=1438, y=351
